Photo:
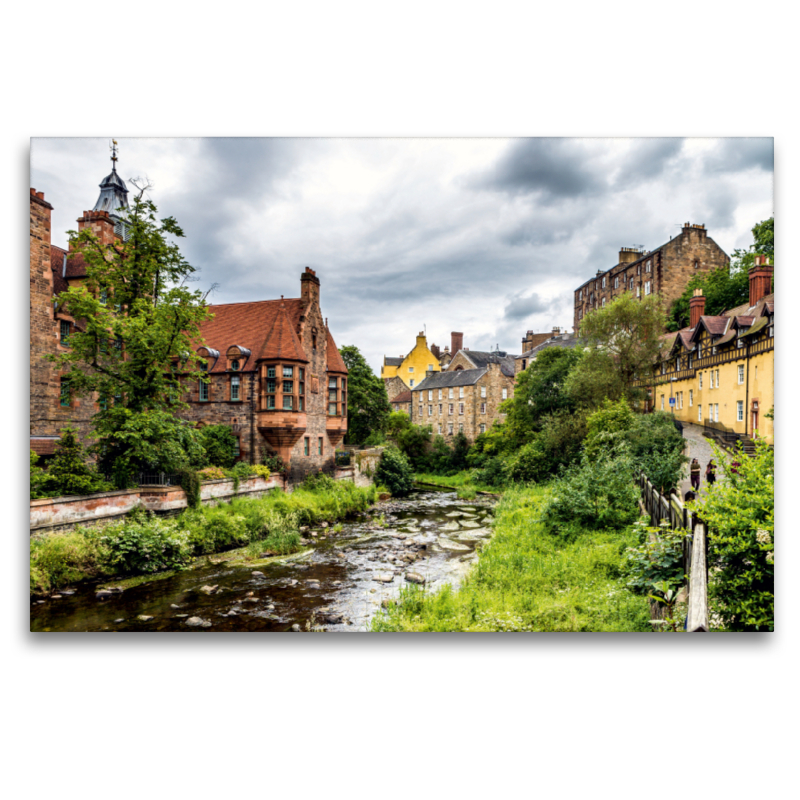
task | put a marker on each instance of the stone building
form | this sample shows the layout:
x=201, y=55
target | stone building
x=465, y=400
x=664, y=271
x=411, y=368
x=719, y=371
x=394, y=386
x=480, y=359
x=402, y=402
x=275, y=375
x=531, y=339
x=558, y=339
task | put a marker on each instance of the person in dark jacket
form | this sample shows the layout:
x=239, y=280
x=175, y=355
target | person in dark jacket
x=711, y=472
x=694, y=474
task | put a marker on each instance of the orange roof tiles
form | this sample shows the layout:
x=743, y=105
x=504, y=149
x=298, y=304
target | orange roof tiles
x=281, y=341
x=335, y=360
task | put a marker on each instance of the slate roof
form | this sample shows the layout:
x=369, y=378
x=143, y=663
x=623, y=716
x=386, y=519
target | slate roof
x=482, y=359
x=388, y=361
x=444, y=380
x=563, y=340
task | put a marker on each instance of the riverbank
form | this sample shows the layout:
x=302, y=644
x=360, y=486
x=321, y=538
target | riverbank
x=528, y=580
x=462, y=482
x=144, y=544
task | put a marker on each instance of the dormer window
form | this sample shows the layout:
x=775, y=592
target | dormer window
x=235, y=365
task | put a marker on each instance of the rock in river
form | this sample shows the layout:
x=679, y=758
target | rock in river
x=143, y=618
x=209, y=589
x=103, y=594
x=449, y=544
x=198, y=622
x=414, y=577
x=384, y=577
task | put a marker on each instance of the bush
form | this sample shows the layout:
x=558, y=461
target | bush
x=656, y=559
x=241, y=471
x=740, y=514
x=62, y=559
x=220, y=445
x=415, y=443
x=144, y=543
x=605, y=428
x=440, y=458
x=190, y=483
x=395, y=472
x=69, y=473
x=211, y=474
x=40, y=480
x=493, y=473
x=593, y=495
x=657, y=449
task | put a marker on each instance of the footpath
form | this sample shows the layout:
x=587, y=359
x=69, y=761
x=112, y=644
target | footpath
x=697, y=446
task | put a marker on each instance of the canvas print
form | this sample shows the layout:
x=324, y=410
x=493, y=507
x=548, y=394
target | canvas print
x=402, y=385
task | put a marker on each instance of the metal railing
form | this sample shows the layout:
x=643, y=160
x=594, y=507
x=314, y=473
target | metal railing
x=158, y=479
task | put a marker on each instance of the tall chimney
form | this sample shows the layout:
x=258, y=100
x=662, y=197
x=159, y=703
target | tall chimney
x=309, y=287
x=760, y=276
x=435, y=350
x=697, y=307
x=456, y=342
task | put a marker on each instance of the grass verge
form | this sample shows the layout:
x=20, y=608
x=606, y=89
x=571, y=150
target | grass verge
x=462, y=482
x=528, y=580
x=144, y=544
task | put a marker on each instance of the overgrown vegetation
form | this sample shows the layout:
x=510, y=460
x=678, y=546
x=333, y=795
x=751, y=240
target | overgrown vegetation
x=740, y=514
x=528, y=580
x=395, y=472
x=144, y=543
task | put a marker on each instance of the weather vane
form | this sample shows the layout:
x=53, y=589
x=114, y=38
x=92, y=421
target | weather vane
x=114, y=153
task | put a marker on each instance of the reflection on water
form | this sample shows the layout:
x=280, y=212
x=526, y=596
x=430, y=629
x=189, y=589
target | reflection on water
x=338, y=586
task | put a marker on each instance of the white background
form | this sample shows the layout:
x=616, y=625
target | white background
x=393, y=716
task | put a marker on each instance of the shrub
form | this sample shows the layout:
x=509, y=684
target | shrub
x=395, y=472
x=658, y=558
x=220, y=445
x=657, y=449
x=740, y=514
x=240, y=471
x=605, y=428
x=69, y=473
x=211, y=474
x=145, y=543
x=493, y=472
x=440, y=458
x=415, y=443
x=190, y=483
x=593, y=495
x=62, y=559
x=40, y=480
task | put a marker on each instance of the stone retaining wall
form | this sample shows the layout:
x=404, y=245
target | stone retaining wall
x=52, y=515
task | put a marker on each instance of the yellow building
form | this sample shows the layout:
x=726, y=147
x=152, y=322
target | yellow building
x=719, y=372
x=413, y=368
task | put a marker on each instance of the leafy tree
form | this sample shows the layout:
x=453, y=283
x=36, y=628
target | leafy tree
x=415, y=443
x=458, y=458
x=539, y=391
x=368, y=406
x=138, y=327
x=740, y=514
x=594, y=379
x=395, y=472
x=220, y=445
x=657, y=448
x=69, y=472
x=627, y=331
x=605, y=426
x=440, y=458
x=39, y=479
x=726, y=288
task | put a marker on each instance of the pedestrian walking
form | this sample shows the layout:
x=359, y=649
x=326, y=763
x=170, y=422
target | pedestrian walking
x=711, y=474
x=694, y=474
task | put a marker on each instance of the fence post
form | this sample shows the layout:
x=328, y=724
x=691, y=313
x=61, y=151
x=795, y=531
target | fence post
x=697, y=617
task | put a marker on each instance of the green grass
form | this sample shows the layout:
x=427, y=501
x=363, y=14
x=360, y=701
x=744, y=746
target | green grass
x=526, y=580
x=462, y=482
x=144, y=544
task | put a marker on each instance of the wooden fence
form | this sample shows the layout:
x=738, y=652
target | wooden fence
x=695, y=566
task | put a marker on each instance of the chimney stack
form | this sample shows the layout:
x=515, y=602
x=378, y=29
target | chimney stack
x=435, y=350
x=456, y=342
x=697, y=307
x=760, y=276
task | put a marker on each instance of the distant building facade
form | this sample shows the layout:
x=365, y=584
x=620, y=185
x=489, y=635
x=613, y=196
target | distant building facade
x=664, y=271
x=560, y=339
x=411, y=368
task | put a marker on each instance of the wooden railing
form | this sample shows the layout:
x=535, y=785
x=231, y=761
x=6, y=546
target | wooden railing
x=695, y=566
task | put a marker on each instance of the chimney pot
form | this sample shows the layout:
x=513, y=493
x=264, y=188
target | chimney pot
x=697, y=307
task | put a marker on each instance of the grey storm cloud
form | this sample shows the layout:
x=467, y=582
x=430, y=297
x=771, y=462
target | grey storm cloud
x=550, y=168
x=482, y=236
x=523, y=307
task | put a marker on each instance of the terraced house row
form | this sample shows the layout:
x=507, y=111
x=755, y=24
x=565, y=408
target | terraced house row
x=719, y=371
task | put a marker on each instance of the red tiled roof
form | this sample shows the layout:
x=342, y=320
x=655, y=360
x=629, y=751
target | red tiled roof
x=76, y=265
x=244, y=324
x=335, y=360
x=281, y=340
x=744, y=322
x=57, y=265
x=403, y=397
x=714, y=325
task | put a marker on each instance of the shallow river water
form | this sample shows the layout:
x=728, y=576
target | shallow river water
x=336, y=584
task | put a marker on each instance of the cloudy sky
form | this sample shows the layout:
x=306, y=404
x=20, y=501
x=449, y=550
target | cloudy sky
x=485, y=236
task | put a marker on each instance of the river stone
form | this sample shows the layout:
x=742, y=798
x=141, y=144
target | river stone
x=67, y=591
x=296, y=628
x=121, y=619
x=333, y=619
x=455, y=514
x=469, y=523
x=209, y=589
x=451, y=526
x=384, y=577
x=144, y=618
x=449, y=544
x=198, y=622
x=250, y=600
x=102, y=594
x=55, y=596
x=414, y=577
x=257, y=574
x=181, y=616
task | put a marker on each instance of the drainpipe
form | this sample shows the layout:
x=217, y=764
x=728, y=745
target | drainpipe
x=252, y=420
x=747, y=385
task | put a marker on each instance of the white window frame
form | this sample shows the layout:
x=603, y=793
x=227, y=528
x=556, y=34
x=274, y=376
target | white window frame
x=450, y=394
x=638, y=291
x=740, y=373
x=647, y=287
x=483, y=408
x=699, y=412
x=440, y=394
x=430, y=410
x=411, y=381
x=460, y=408
x=662, y=402
x=716, y=412
x=460, y=392
x=482, y=427
x=430, y=394
x=450, y=410
x=505, y=394
x=700, y=379
x=483, y=391
x=411, y=369
x=691, y=398
x=740, y=410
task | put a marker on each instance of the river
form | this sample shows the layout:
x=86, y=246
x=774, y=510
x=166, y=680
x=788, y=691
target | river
x=337, y=583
